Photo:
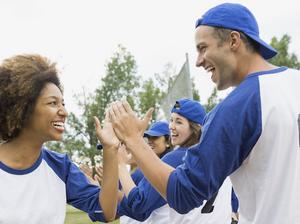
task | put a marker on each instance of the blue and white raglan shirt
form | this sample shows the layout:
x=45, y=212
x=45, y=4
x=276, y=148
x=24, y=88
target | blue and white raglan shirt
x=38, y=195
x=253, y=136
x=144, y=202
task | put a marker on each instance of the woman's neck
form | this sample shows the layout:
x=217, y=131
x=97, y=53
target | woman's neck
x=20, y=153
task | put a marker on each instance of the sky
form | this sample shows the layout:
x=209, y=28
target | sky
x=82, y=35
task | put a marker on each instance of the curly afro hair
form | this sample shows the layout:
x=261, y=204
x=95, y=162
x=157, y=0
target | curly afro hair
x=22, y=78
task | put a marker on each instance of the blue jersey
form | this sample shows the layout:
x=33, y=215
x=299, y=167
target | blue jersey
x=253, y=136
x=38, y=195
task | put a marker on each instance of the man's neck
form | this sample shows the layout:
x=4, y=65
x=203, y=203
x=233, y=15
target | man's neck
x=252, y=63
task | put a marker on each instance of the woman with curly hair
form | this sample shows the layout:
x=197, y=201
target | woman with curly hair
x=36, y=183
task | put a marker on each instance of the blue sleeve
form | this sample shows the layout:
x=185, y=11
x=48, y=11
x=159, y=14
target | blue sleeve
x=83, y=195
x=234, y=202
x=143, y=199
x=137, y=176
x=229, y=134
x=79, y=192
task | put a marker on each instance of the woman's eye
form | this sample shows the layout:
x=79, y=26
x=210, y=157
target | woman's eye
x=52, y=103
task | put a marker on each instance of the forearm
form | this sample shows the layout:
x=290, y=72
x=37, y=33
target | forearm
x=156, y=171
x=109, y=192
x=125, y=179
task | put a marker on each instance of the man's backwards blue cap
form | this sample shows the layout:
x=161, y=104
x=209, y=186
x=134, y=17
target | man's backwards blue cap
x=237, y=17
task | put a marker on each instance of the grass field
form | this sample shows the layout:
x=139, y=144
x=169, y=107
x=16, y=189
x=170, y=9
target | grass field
x=75, y=216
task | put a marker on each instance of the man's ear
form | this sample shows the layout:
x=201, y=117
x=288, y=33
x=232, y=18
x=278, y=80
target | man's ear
x=235, y=40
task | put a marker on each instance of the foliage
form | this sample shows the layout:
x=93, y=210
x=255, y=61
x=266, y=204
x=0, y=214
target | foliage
x=149, y=96
x=283, y=57
x=119, y=81
x=212, y=101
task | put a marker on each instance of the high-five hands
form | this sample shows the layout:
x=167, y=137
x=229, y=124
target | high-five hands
x=125, y=122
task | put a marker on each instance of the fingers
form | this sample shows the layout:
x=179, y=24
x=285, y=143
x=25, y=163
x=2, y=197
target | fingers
x=86, y=170
x=127, y=107
x=116, y=110
x=99, y=171
x=97, y=126
x=98, y=179
x=97, y=122
x=107, y=118
x=99, y=174
x=148, y=115
x=111, y=113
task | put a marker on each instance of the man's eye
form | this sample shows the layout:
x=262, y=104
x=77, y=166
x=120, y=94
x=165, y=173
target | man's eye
x=202, y=49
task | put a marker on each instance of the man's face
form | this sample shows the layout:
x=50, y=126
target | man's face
x=215, y=57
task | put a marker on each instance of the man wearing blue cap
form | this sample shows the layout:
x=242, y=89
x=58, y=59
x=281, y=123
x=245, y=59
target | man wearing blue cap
x=253, y=135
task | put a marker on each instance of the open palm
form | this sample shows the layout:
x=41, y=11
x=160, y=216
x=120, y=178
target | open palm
x=106, y=134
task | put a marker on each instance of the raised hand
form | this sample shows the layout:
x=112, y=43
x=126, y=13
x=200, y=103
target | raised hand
x=106, y=134
x=125, y=122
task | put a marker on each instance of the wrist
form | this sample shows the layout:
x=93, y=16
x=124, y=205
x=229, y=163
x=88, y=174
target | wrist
x=111, y=149
x=133, y=143
x=122, y=166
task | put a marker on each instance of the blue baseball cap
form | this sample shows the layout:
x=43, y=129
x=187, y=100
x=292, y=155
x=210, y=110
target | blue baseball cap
x=159, y=128
x=190, y=109
x=237, y=17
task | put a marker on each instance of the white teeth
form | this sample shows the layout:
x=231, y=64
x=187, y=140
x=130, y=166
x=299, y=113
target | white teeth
x=209, y=69
x=58, y=124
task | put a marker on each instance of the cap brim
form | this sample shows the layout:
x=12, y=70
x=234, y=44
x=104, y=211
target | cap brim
x=265, y=50
x=153, y=133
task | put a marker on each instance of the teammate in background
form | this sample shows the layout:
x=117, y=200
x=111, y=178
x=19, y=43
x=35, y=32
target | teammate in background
x=158, y=138
x=36, y=183
x=251, y=136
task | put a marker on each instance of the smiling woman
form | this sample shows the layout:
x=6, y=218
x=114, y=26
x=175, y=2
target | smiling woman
x=36, y=183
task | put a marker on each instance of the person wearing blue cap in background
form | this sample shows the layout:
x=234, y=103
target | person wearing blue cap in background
x=251, y=136
x=158, y=138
